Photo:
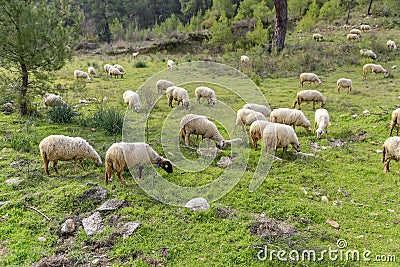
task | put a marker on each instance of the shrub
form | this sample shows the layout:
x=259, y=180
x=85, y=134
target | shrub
x=24, y=140
x=140, y=64
x=110, y=120
x=61, y=114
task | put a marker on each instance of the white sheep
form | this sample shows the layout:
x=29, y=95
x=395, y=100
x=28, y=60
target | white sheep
x=206, y=92
x=355, y=31
x=293, y=117
x=81, y=74
x=257, y=107
x=353, y=36
x=244, y=59
x=256, y=131
x=162, y=85
x=365, y=27
x=395, y=121
x=51, y=100
x=246, y=117
x=391, y=44
x=317, y=37
x=367, y=68
x=391, y=150
x=135, y=54
x=200, y=125
x=92, y=71
x=170, y=64
x=368, y=53
x=309, y=77
x=178, y=94
x=66, y=148
x=115, y=72
x=120, y=68
x=276, y=135
x=309, y=95
x=132, y=99
x=321, y=119
x=344, y=83
x=107, y=68
x=122, y=156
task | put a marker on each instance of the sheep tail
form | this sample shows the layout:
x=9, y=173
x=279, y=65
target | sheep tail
x=383, y=154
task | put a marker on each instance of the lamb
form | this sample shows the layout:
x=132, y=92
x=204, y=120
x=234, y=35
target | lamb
x=365, y=27
x=66, y=148
x=200, y=125
x=92, y=71
x=81, y=74
x=344, y=83
x=132, y=100
x=206, y=92
x=170, y=64
x=367, y=68
x=120, y=68
x=51, y=100
x=353, y=36
x=246, y=117
x=309, y=95
x=121, y=156
x=321, y=119
x=276, y=135
x=260, y=108
x=391, y=150
x=178, y=94
x=163, y=85
x=289, y=116
x=135, y=54
x=395, y=120
x=107, y=68
x=367, y=53
x=256, y=131
x=355, y=31
x=317, y=37
x=115, y=72
x=309, y=77
x=391, y=44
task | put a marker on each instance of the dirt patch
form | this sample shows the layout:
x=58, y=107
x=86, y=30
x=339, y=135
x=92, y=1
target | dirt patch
x=54, y=261
x=95, y=194
x=272, y=228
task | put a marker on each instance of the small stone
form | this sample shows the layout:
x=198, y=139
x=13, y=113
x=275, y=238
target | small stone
x=128, y=229
x=96, y=261
x=378, y=151
x=390, y=210
x=197, y=204
x=336, y=203
x=14, y=181
x=68, y=226
x=93, y=224
x=112, y=204
x=42, y=239
x=366, y=113
x=324, y=199
x=333, y=223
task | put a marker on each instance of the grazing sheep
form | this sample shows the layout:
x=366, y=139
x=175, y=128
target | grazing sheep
x=162, y=85
x=115, y=72
x=244, y=59
x=317, y=37
x=256, y=130
x=135, y=54
x=120, y=68
x=391, y=44
x=132, y=100
x=92, y=71
x=367, y=53
x=180, y=95
x=122, y=156
x=367, y=68
x=344, y=83
x=309, y=77
x=260, y=108
x=309, y=95
x=391, y=150
x=170, y=64
x=321, y=119
x=293, y=117
x=276, y=135
x=107, y=68
x=206, y=92
x=246, y=117
x=353, y=36
x=200, y=125
x=395, y=121
x=81, y=74
x=365, y=27
x=65, y=148
x=355, y=31
x=51, y=100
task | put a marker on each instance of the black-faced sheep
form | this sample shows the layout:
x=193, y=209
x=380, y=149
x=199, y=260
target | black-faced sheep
x=317, y=37
x=308, y=96
x=78, y=74
x=260, y=108
x=391, y=44
x=395, y=121
x=115, y=72
x=122, y=156
x=178, y=94
x=367, y=53
x=367, y=68
x=256, y=131
x=353, y=36
x=162, y=85
x=276, y=135
x=65, y=148
x=51, y=100
x=207, y=93
x=364, y=27
x=344, y=83
x=391, y=150
x=92, y=71
x=293, y=117
x=132, y=99
x=321, y=119
x=309, y=77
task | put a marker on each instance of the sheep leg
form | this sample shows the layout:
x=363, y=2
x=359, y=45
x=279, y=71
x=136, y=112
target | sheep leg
x=119, y=174
x=46, y=166
x=55, y=167
x=315, y=125
x=140, y=172
x=295, y=102
x=338, y=89
x=386, y=166
x=198, y=100
x=187, y=140
x=391, y=128
x=313, y=104
x=254, y=141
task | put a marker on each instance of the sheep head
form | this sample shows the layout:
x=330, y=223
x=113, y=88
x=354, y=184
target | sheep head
x=166, y=165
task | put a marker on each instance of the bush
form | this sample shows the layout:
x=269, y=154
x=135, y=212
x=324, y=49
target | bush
x=110, y=120
x=24, y=140
x=140, y=64
x=61, y=114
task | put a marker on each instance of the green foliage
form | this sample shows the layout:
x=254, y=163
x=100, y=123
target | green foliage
x=221, y=32
x=25, y=139
x=310, y=18
x=220, y=6
x=259, y=9
x=109, y=119
x=259, y=35
x=171, y=24
x=61, y=114
x=331, y=10
x=140, y=64
x=195, y=22
x=297, y=8
x=117, y=30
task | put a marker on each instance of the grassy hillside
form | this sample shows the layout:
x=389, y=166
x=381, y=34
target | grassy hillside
x=286, y=212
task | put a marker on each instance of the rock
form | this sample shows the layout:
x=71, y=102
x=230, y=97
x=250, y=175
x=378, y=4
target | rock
x=8, y=108
x=96, y=261
x=93, y=224
x=95, y=194
x=113, y=204
x=128, y=229
x=14, y=181
x=333, y=223
x=68, y=226
x=324, y=199
x=3, y=203
x=197, y=204
x=19, y=163
x=42, y=239
x=224, y=162
x=378, y=151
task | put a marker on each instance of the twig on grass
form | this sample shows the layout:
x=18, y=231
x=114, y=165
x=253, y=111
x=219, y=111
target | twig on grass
x=38, y=211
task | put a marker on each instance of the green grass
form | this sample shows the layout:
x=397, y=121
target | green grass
x=220, y=236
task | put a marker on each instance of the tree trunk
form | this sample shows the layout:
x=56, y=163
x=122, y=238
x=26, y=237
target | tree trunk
x=24, y=89
x=348, y=12
x=278, y=40
x=369, y=7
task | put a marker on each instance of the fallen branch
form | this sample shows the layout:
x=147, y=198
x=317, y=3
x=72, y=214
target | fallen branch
x=38, y=211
